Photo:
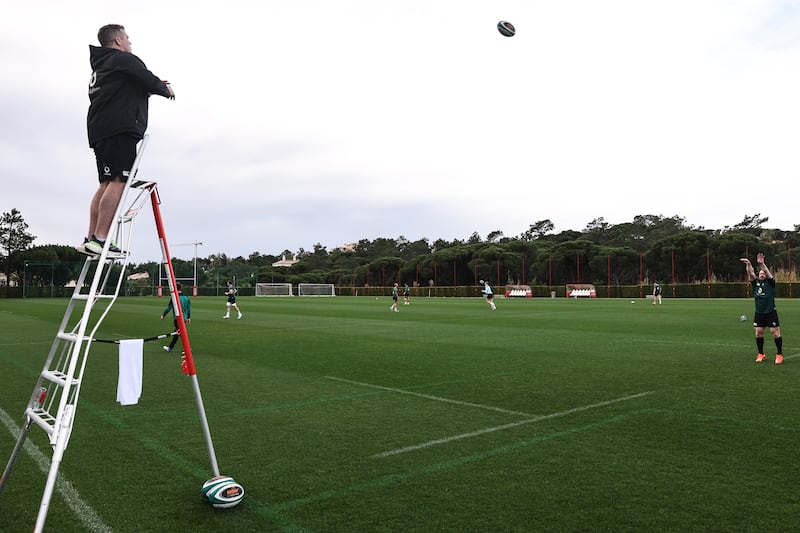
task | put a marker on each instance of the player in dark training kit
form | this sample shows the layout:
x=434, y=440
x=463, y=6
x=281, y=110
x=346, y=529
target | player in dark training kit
x=766, y=315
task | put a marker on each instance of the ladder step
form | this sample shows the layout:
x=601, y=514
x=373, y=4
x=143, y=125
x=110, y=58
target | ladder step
x=59, y=378
x=71, y=337
x=42, y=418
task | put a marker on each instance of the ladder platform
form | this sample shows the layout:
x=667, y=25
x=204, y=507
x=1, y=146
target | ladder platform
x=92, y=296
x=71, y=337
x=94, y=258
x=142, y=184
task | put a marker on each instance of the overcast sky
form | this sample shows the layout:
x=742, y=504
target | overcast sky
x=329, y=121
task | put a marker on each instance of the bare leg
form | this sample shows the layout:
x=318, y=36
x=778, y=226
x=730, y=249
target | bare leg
x=94, y=208
x=107, y=206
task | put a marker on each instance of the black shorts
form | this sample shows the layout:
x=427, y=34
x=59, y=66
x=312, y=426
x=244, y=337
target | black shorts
x=770, y=320
x=115, y=156
x=490, y=296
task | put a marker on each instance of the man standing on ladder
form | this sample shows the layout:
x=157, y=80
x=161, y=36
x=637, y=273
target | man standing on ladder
x=119, y=90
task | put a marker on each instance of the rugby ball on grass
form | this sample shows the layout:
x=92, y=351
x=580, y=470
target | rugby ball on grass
x=222, y=492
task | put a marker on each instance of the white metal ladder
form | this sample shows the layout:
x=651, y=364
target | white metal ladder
x=54, y=401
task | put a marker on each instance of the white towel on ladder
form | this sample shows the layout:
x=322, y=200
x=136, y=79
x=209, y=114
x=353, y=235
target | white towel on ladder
x=129, y=384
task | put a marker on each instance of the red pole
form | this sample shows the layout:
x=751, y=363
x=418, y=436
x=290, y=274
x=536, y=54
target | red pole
x=747, y=254
x=417, y=274
x=673, y=272
x=708, y=271
x=187, y=362
x=789, y=248
x=641, y=294
x=550, y=275
x=187, y=359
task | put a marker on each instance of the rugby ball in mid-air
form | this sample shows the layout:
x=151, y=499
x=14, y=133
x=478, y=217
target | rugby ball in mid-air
x=506, y=28
x=222, y=492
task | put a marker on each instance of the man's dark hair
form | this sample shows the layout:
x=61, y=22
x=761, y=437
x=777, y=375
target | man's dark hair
x=178, y=285
x=108, y=33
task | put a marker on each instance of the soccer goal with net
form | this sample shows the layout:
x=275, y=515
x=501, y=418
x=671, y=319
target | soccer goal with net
x=581, y=290
x=316, y=289
x=519, y=291
x=273, y=289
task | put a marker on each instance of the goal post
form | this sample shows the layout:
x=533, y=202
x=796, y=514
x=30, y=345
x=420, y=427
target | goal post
x=273, y=289
x=316, y=289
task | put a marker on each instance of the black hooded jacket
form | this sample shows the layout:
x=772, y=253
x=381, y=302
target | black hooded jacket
x=119, y=90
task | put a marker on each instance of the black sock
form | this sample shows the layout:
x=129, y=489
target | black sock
x=760, y=344
x=779, y=345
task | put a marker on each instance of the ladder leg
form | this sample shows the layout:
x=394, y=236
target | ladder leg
x=188, y=358
x=23, y=435
x=50, y=486
x=62, y=374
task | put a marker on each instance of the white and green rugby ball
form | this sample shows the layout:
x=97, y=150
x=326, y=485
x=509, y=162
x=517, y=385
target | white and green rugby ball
x=222, y=492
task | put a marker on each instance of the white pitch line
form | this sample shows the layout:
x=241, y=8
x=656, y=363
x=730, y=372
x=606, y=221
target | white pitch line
x=82, y=510
x=504, y=426
x=431, y=397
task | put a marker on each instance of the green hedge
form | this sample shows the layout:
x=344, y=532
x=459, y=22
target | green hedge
x=694, y=290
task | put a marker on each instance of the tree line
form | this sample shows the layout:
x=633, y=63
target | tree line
x=647, y=249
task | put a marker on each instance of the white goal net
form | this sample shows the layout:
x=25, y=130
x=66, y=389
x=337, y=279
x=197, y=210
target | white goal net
x=273, y=289
x=316, y=289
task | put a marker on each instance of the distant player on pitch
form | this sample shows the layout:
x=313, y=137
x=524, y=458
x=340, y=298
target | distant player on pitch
x=186, y=311
x=394, y=299
x=766, y=315
x=230, y=292
x=406, y=295
x=656, y=293
x=488, y=295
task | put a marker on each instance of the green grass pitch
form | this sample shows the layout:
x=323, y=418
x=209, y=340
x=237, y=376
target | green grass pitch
x=337, y=415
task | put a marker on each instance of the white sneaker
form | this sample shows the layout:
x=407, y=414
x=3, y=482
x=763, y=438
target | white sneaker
x=226, y=316
x=94, y=247
x=82, y=247
x=239, y=317
x=167, y=348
